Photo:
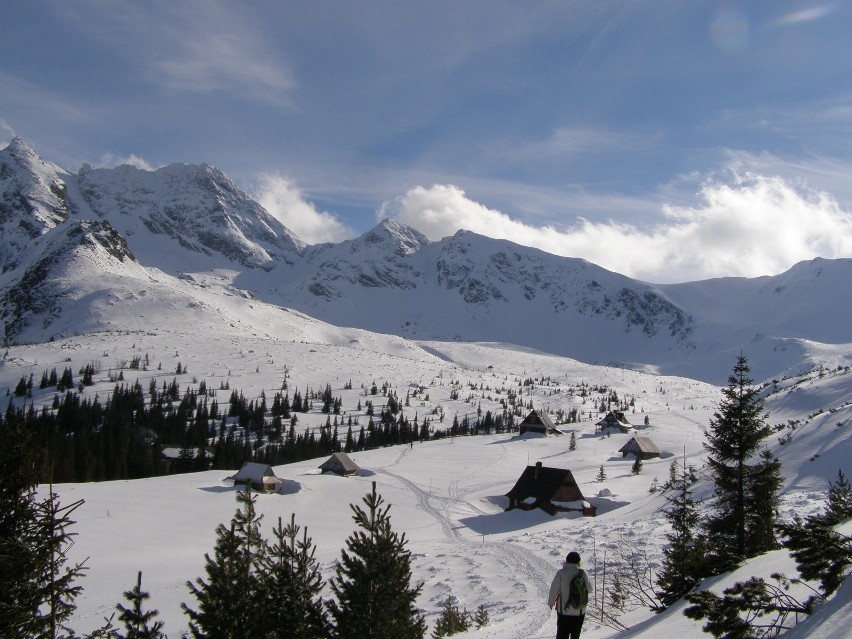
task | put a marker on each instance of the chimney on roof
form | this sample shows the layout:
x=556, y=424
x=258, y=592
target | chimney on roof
x=537, y=469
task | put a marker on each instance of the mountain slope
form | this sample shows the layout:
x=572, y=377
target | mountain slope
x=192, y=223
x=32, y=199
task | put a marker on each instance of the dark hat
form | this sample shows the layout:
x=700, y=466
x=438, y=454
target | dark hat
x=573, y=558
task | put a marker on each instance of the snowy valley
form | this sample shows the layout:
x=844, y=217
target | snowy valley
x=177, y=267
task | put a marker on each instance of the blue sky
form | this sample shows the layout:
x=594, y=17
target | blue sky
x=667, y=140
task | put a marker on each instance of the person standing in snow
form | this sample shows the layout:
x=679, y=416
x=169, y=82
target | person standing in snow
x=570, y=615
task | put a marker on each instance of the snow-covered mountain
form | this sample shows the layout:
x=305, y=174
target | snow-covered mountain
x=179, y=265
x=190, y=226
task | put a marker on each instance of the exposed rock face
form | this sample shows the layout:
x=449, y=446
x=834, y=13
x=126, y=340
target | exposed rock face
x=67, y=239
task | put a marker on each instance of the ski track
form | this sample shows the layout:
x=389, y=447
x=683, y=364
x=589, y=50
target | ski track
x=530, y=572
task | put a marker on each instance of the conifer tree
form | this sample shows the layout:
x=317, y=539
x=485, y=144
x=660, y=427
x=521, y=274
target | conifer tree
x=481, y=618
x=683, y=557
x=839, y=507
x=821, y=553
x=18, y=600
x=601, y=474
x=138, y=622
x=637, y=466
x=736, y=432
x=372, y=581
x=37, y=585
x=227, y=599
x=764, y=484
x=290, y=587
x=55, y=584
x=452, y=620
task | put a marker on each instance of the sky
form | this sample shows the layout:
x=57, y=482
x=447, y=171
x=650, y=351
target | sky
x=665, y=140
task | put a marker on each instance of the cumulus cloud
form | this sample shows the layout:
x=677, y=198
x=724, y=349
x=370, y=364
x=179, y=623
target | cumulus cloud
x=286, y=202
x=755, y=225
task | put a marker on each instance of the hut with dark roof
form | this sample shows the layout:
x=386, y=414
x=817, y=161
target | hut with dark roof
x=259, y=476
x=640, y=447
x=538, y=422
x=615, y=419
x=339, y=464
x=551, y=489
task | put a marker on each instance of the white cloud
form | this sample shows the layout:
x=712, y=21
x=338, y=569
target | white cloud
x=804, y=15
x=195, y=46
x=286, y=202
x=218, y=58
x=7, y=131
x=111, y=160
x=754, y=226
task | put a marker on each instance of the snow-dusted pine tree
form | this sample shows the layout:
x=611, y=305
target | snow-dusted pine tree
x=290, y=586
x=138, y=622
x=227, y=600
x=741, y=481
x=374, y=597
x=683, y=557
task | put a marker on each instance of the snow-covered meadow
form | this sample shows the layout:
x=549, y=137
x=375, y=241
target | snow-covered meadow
x=447, y=496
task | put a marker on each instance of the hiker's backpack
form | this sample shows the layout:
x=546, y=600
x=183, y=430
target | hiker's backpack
x=578, y=594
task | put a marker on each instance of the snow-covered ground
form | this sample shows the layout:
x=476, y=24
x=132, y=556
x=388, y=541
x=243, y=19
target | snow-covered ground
x=448, y=496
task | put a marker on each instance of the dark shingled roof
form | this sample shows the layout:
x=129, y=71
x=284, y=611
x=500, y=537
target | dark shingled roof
x=339, y=463
x=642, y=444
x=539, y=417
x=545, y=486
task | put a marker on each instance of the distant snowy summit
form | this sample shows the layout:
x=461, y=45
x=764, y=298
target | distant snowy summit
x=78, y=248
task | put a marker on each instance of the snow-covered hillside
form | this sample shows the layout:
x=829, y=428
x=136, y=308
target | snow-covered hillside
x=448, y=496
x=190, y=230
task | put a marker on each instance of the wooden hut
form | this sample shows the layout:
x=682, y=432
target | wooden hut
x=538, y=422
x=551, y=489
x=641, y=447
x=615, y=419
x=259, y=476
x=339, y=464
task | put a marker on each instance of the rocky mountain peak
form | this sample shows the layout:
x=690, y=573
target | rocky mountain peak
x=404, y=239
x=197, y=206
x=33, y=198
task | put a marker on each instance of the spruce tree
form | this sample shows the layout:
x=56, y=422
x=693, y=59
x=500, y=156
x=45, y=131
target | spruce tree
x=764, y=484
x=736, y=432
x=452, y=620
x=37, y=584
x=683, y=557
x=138, y=622
x=637, y=466
x=228, y=599
x=839, y=507
x=290, y=587
x=601, y=474
x=372, y=581
x=55, y=584
x=481, y=618
x=821, y=553
x=19, y=601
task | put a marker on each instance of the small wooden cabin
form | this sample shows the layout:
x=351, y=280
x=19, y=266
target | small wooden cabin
x=641, y=447
x=538, y=422
x=259, y=476
x=551, y=489
x=615, y=419
x=339, y=464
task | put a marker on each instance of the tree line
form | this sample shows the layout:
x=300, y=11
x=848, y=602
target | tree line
x=125, y=436
x=253, y=586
